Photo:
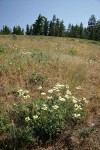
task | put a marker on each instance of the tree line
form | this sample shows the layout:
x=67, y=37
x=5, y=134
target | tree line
x=55, y=27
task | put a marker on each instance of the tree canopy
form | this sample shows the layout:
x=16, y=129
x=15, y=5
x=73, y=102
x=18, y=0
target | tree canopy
x=56, y=27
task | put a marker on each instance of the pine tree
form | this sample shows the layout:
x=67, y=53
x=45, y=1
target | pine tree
x=6, y=30
x=52, y=26
x=18, y=31
x=27, y=30
x=61, y=29
x=68, y=33
x=91, y=27
x=38, y=26
x=97, y=32
x=46, y=23
x=57, y=27
x=81, y=31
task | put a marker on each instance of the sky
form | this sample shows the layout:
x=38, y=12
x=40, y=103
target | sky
x=23, y=12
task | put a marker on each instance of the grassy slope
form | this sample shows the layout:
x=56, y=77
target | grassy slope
x=74, y=61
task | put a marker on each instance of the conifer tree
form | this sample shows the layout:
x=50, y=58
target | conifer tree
x=91, y=27
x=57, y=27
x=97, y=31
x=81, y=31
x=18, y=31
x=61, y=29
x=6, y=30
x=27, y=30
x=46, y=23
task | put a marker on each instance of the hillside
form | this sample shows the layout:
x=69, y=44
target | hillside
x=27, y=62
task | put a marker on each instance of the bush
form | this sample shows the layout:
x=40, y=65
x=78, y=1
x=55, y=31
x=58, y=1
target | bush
x=72, y=51
x=36, y=79
x=45, y=118
x=1, y=50
x=40, y=56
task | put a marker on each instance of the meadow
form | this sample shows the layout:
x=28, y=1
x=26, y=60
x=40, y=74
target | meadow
x=34, y=62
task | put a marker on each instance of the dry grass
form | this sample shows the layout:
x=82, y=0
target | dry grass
x=74, y=61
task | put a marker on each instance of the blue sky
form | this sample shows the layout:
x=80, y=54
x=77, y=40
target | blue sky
x=22, y=12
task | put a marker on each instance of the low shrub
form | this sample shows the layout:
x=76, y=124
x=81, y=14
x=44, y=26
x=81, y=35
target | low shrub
x=1, y=50
x=37, y=79
x=46, y=117
x=72, y=51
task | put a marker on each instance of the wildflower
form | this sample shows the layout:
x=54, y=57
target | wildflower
x=43, y=93
x=40, y=87
x=50, y=91
x=59, y=86
x=78, y=88
x=27, y=119
x=84, y=99
x=68, y=92
x=56, y=89
x=61, y=99
x=26, y=91
x=44, y=107
x=67, y=87
x=19, y=91
x=49, y=97
x=77, y=107
x=67, y=96
x=55, y=107
x=26, y=96
x=35, y=117
x=77, y=115
x=74, y=99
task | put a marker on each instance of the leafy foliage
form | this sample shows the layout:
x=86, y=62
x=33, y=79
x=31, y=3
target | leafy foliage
x=44, y=118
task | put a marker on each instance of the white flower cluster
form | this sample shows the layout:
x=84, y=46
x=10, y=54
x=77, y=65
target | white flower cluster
x=56, y=88
x=62, y=99
x=74, y=99
x=40, y=88
x=85, y=100
x=44, y=107
x=68, y=94
x=77, y=115
x=43, y=93
x=55, y=99
x=55, y=107
x=27, y=119
x=35, y=117
x=78, y=88
x=49, y=97
x=23, y=94
x=77, y=107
